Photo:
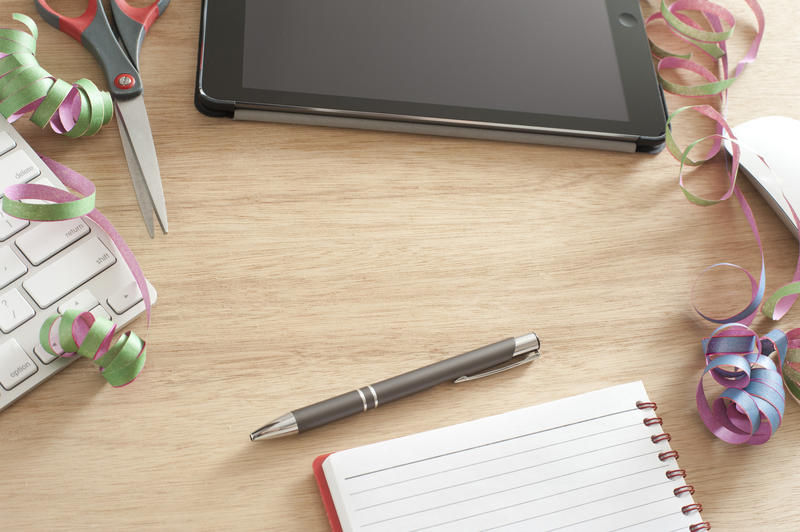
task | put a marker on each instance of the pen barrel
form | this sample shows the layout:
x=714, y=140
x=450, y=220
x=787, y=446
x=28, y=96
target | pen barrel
x=370, y=397
x=329, y=410
x=446, y=370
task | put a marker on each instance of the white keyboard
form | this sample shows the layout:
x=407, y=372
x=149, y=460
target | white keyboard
x=49, y=267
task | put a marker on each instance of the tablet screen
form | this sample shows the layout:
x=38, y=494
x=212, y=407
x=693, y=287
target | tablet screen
x=529, y=56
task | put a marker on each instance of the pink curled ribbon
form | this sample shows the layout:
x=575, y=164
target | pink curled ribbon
x=74, y=332
x=751, y=407
x=80, y=333
x=73, y=110
x=712, y=43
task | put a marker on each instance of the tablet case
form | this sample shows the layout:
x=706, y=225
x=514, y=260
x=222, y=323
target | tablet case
x=613, y=144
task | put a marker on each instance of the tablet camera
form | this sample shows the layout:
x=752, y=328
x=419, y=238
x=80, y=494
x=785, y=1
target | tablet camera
x=628, y=20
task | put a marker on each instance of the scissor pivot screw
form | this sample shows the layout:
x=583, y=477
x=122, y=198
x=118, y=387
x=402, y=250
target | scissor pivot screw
x=124, y=81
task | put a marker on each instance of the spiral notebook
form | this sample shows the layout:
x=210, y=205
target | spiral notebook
x=596, y=462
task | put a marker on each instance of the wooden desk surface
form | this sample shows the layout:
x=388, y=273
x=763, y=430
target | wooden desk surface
x=307, y=261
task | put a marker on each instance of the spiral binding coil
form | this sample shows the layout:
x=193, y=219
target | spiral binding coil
x=661, y=437
x=666, y=455
x=673, y=473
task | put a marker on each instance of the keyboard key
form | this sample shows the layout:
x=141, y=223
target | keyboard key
x=63, y=275
x=11, y=268
x=15, y=364
x=125, y=298
x=82, y=301
x=42, y=180
x=10, y=226
x=100, y=313
x=44, y=356
x=6, y=142
x=16, y=168
x=47, y=239
x=14, y=310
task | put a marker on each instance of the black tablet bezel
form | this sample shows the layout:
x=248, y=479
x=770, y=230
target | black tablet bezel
x=220, y=90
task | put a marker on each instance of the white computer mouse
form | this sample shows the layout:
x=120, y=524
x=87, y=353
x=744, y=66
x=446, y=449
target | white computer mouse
x=777, y=140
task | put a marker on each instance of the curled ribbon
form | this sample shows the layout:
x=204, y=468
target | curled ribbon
x=751, y=407
x=713, y=44
x=80, y=332
x=73, y=110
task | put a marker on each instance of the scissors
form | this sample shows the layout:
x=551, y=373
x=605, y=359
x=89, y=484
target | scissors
x=119, y=58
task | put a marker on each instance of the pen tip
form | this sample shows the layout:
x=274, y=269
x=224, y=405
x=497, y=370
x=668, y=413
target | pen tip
x=284, y=425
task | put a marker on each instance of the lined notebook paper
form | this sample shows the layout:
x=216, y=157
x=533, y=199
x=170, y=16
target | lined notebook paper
x=585, y=463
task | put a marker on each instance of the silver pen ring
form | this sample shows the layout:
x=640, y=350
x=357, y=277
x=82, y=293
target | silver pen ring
x=363, y=399
x=374, y=394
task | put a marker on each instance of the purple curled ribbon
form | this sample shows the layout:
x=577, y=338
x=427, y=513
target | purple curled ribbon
x=751, y=407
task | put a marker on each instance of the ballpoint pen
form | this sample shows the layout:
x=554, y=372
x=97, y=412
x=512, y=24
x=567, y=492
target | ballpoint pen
x=482, y=362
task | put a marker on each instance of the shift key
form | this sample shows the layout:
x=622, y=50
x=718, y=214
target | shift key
x=68, y=272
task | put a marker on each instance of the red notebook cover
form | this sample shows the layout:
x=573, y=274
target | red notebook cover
x=325, y=492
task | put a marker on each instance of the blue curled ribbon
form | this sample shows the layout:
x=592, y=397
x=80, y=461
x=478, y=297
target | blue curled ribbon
x=751, y=407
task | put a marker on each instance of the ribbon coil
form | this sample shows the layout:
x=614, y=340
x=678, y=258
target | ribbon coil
x=73, y=110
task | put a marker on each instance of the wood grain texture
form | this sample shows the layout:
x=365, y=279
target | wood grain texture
x=305, y=261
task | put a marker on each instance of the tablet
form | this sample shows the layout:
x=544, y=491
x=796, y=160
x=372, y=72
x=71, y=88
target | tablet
x=565, y=72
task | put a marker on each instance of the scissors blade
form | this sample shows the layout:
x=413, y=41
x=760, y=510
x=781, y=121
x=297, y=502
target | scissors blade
x=137, y=177
x=132, y=115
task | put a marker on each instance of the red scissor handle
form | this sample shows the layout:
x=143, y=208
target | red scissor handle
x=143, y=15
x=93, y=31
x=117, y=54
x=72, y=26
x=134, y=22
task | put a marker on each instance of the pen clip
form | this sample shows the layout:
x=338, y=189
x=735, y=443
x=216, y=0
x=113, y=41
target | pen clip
x=529, y=357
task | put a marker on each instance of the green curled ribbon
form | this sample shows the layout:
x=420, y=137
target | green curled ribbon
x=791, y=373
x=74, y=110
x=49, y=212
x=80, y=333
